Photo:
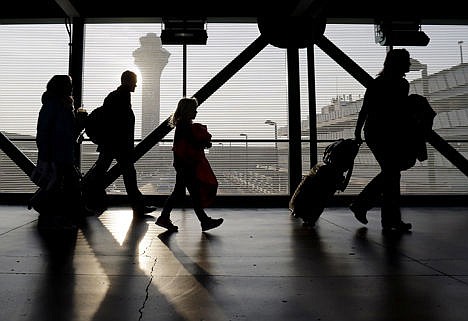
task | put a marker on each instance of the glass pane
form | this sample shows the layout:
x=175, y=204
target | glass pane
x=29, y=56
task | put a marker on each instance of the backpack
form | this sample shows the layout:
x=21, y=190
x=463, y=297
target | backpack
x=341, y=154
x=94, y=125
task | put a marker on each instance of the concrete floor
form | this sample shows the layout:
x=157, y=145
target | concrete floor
x=261, y=264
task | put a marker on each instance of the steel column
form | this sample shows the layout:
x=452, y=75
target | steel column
x=294, y=112
x=312, y=106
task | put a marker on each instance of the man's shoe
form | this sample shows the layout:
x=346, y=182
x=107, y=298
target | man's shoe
x=167, y=224
x=210, y=223
x=359, y=213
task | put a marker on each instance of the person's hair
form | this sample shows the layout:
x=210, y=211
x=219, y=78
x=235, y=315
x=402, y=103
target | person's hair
x=127, y=76
x=396, y=62
x=60, y=86
x=183, y=110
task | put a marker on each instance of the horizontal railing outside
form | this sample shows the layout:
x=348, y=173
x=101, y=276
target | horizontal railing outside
x=252, y=167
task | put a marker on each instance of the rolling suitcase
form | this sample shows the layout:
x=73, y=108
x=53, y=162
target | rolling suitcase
x=324, y=179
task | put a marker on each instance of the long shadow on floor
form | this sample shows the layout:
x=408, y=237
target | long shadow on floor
x=55, y=292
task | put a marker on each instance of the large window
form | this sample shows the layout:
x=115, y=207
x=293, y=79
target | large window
x=235, y=114
x=248, y=115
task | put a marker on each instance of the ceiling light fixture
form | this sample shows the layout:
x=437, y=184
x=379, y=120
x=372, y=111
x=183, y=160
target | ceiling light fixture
x=184, y=31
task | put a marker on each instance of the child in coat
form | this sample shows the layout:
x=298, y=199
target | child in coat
x=193, y=171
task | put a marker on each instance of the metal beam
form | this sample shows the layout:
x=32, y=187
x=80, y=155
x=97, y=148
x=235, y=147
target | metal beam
x=231, y=69
x=68, y=8
x=16, y=155
x=448, y=151
x=344, y=61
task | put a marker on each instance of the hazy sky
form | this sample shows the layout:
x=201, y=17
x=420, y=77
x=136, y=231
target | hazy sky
x=30, y=55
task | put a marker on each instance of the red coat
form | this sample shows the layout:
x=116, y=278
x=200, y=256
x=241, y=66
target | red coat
x=190, y=140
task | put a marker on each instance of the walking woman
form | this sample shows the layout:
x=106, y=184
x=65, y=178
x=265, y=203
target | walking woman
x=386, y=121
x=58, y=200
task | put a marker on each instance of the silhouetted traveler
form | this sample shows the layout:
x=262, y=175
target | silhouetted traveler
x=386, y=121
x=193, y=170
x=118, y=144
x=58, y=199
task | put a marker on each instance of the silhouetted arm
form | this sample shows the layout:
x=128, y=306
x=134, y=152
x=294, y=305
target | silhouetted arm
x=361, y=119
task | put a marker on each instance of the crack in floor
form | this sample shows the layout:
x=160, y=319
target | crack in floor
x=140, y=310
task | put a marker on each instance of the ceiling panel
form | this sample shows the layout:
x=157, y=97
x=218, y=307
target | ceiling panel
x=233, y=10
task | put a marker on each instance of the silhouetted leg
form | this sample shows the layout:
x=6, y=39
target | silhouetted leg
x=130, y=181
x=197, y=207
x=72, y=193
x=374, y=189
x=206, y=222
x=169, y=205
x=177, y=194
x=368, y=197
x=99, y=169
x=391, y=214
x=63, y=201
x=94, y=187
x=186, y=181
